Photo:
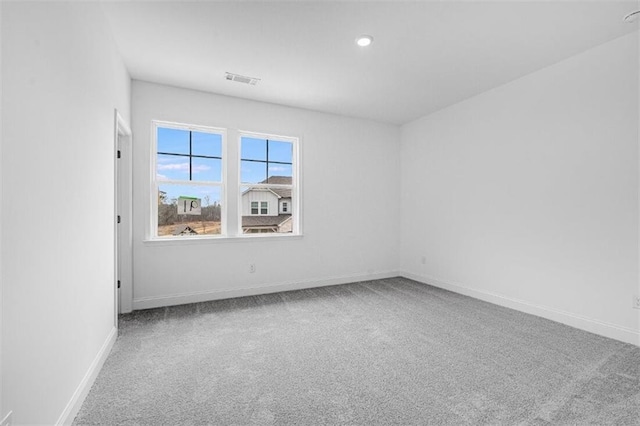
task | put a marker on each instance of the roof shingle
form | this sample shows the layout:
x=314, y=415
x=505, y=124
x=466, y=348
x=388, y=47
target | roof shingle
x=251, y=221
x=280, y=180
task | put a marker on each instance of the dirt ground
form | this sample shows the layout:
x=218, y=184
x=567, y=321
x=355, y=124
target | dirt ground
x=202, y=228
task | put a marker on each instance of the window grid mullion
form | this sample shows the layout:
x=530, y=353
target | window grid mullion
x=246, y=159
x=190, y=156
x=197, y=156
x=267, y=163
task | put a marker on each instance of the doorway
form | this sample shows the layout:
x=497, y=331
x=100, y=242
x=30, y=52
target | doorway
x=123, y=288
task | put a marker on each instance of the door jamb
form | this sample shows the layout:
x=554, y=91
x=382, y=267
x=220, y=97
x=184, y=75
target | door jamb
x=123, y=247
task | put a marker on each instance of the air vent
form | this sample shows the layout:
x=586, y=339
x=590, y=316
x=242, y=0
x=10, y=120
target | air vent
x=241, y=78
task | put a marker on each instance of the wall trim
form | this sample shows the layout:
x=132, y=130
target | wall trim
x=6, y=421
x=205, y=296
x=74, y=405
x=612, y=331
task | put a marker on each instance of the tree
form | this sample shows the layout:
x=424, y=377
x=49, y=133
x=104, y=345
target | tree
x=162, y=197
x=203, y=215
x=167, y=212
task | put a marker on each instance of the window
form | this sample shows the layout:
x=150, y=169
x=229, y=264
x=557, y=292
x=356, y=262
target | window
x=189, y=190
x=188, y=180
x=264, y=207
x=268, y=177
x=265, y=161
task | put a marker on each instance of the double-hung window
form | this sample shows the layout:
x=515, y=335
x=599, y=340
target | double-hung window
x=190, y=183
x=188, y=180
x=268, y=184
x=259, y=208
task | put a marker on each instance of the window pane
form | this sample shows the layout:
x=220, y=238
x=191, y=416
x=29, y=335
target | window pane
x=280, y=151
x=172, y=167
x=280, y=174
x=209, y=144
x=206, y=169
x=174, y=141
x=172, y=224
x=252, y=172
x=253, y=149
x=273, y=216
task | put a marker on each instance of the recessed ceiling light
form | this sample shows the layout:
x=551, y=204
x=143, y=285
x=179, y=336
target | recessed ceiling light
x=364, y=40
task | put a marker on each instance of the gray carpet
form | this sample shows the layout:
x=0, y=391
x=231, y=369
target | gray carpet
x=382, y=352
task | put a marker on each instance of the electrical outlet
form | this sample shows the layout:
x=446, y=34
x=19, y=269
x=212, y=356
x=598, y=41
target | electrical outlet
x=252, y=268
x=423, y=260
x=636, y=301
x=7, y=421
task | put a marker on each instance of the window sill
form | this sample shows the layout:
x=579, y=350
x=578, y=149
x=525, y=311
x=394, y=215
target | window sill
x=170, y=241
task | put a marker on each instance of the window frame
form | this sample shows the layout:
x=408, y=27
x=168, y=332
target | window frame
x=231, y=185
x=155, y=183
x=294, y=205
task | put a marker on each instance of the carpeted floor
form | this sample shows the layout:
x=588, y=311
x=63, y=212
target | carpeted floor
x=381, y=352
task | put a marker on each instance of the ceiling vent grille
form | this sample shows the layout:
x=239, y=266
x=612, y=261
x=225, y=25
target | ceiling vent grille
x=241, y=78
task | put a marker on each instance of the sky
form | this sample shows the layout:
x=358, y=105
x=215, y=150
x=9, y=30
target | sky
x=171, y=167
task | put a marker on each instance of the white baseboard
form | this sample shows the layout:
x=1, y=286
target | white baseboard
x=7, y=419
x=624, y=334
x=204, y=296
x=74, y=405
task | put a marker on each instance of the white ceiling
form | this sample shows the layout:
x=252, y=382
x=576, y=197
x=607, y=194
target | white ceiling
x=425, y=55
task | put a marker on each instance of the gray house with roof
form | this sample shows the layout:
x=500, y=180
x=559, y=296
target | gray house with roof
x=268, y=209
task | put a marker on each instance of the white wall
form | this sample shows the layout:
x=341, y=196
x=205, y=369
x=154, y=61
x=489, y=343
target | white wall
x=527, y=195
x=62, y=80
x=350, y=202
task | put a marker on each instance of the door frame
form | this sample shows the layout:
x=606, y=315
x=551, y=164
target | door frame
x=123, y=235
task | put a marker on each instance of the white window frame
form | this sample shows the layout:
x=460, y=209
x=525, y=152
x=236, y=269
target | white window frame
x=295, y=204
x=155, y=182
